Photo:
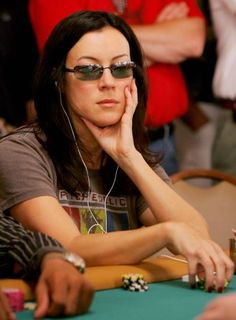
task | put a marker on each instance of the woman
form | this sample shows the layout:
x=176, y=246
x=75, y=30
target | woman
x=83, y=175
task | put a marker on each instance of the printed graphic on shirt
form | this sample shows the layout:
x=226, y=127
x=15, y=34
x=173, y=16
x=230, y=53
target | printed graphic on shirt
x=92, y=216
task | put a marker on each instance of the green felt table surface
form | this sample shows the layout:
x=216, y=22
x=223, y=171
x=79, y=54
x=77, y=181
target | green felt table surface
x=164, y=300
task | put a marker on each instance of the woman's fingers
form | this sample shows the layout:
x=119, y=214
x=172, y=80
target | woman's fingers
x=214, y=263
x=131, y=95
x=204, y=256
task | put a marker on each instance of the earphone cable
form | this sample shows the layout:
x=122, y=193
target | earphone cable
x=87, y=175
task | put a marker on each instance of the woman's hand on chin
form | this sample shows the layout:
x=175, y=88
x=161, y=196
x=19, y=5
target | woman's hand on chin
x=117, y=139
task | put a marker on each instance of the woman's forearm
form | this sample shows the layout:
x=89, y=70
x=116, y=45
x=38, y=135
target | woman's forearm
x=120, y=247
x=164, y=202
x=172, y=41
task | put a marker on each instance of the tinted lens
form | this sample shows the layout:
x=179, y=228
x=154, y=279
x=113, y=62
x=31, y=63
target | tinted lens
x=122, y=70
x=89, y=72
x=94, y=71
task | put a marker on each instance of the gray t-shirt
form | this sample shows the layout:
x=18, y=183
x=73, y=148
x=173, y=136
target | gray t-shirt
x=26, y=172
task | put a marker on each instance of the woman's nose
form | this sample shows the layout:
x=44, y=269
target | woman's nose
x=107, y=78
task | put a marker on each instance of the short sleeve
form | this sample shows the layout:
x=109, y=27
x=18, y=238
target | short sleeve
x=25, y=170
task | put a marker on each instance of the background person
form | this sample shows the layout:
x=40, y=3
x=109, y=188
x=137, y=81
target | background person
x=60, y=287
x=223, y=14
x=18, y=56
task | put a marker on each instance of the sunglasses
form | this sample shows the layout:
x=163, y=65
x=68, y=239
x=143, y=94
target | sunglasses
x=119, y=70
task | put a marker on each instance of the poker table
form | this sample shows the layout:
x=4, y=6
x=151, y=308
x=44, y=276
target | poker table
x=168, y=297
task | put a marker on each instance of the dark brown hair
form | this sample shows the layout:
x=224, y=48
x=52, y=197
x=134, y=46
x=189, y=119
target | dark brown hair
x=51, y=119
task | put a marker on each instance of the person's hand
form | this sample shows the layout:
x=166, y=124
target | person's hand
x=61, y=290
x=222, y=308
x=204, y=256
x=117, y=140
x=173, y=11
x=5, y=311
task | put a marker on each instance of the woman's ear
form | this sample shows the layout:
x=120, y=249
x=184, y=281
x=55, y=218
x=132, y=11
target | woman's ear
x=55, y=78
x=59, y=84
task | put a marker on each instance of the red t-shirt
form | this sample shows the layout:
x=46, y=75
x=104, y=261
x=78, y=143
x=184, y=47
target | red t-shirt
x=168, y=97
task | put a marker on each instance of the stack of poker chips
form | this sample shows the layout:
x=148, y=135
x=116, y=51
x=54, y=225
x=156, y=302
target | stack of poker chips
x=134, y=282
x=201, y=284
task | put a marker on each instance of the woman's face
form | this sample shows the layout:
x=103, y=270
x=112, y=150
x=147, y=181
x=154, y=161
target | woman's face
x=101, y=101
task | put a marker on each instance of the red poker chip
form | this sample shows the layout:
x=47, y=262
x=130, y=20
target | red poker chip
x=15, y=297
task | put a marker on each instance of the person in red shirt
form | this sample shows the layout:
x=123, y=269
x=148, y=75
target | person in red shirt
x=169, y=32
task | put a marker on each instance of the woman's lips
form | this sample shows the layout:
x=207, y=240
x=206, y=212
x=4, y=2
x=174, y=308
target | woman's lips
x=107, y=102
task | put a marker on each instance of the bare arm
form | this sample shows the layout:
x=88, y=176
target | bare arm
x=164, y=202
x=173, y=37
x=124, y=247
x=172, y=41
x=121, y=247
x=45, y=214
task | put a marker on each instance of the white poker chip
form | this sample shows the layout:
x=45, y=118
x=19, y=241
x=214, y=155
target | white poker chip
x=134, y=282
x=30, y=306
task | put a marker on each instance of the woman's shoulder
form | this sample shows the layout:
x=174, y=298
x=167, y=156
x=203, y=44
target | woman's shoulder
x=20, y=145
x=19, y=138
x=23, y=157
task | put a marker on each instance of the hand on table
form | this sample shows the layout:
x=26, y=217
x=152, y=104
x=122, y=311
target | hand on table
x=204, y=256
x=62, y=290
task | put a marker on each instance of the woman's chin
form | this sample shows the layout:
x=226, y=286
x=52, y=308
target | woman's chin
x=106, y=122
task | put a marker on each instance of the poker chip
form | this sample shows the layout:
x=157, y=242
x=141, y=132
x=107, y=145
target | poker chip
x=134, y=282
x=15, y=297
x=30, y=306
x=202, y=285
